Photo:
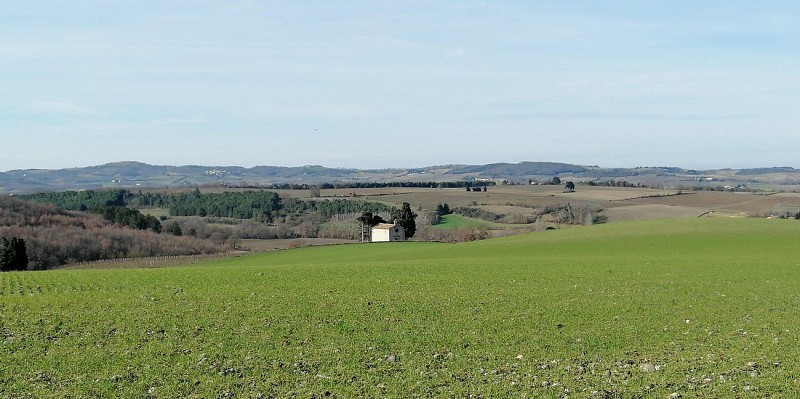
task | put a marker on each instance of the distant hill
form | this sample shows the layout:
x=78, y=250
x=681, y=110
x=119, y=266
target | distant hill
x=761, y=171
x=504, y=170
x=137, y=174
x=133, y=174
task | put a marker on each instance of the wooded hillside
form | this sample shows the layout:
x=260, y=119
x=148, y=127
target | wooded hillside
x=55, y=236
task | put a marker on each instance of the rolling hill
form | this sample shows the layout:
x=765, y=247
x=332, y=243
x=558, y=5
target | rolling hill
x=137, y=174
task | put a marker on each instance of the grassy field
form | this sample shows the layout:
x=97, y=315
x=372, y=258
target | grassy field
x=453, y=221
x=155, y=212
x=693, y=307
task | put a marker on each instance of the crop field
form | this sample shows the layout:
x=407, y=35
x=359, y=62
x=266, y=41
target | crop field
x=651, y=211
x=698, y=307
x=270, y=245
x=731, y=202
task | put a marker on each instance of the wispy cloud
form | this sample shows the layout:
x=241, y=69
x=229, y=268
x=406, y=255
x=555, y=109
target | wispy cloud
x=308, y=111
x=61, y=107
x=593, y=115
x=265, y=72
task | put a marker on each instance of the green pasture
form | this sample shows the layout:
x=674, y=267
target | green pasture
x=692, y=307
x=155, y=212
x=453, y=221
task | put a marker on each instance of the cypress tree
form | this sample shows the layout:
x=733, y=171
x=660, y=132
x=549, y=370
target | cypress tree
x=405, y=218
x=14, y=255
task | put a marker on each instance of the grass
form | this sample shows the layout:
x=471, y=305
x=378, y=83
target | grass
x=699, y=307
x=155, y=212
x=453, y=221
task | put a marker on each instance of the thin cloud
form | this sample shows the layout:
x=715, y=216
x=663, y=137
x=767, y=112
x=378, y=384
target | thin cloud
x=61, y=107
x=308, y=111
x=589, y=115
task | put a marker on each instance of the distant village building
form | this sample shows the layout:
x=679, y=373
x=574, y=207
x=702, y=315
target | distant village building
x=388, y=232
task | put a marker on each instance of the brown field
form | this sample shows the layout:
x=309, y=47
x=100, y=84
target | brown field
x=495, y=195
x=730, y=202
x=618, y=203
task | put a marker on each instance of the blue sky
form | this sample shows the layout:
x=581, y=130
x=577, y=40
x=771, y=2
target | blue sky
x=400, y=84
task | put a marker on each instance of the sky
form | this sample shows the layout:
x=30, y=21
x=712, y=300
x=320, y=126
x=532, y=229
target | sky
x=373, y=84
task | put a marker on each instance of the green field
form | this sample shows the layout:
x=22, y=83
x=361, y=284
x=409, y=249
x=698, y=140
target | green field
x=453, y=221
x=699, y=307
x=155, y=212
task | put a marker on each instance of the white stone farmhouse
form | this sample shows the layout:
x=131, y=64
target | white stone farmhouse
x=388, y=232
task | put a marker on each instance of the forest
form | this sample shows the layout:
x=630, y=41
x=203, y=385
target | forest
x=79, y=226
x=55, y=236
x=259, y=205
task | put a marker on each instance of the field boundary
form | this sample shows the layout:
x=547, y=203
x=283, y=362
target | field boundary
x=149, y=262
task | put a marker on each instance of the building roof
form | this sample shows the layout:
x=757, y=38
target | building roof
x=384, y=226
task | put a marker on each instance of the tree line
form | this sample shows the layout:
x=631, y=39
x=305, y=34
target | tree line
x=398, y=184
x=82, y=200
x=260, y=205
x=111, y=204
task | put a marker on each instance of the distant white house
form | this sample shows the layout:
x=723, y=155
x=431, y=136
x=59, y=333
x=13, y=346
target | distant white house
x=388, y=232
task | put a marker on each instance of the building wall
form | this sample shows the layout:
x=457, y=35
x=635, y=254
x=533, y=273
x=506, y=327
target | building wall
x=380, y=235
x=396, y=233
